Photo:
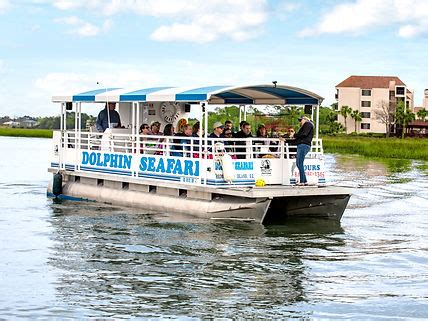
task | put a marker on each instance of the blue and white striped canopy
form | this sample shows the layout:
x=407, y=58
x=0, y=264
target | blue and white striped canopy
x=215, y=95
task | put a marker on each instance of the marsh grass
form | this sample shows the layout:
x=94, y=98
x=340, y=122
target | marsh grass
x=409, y=148
x=25, y=132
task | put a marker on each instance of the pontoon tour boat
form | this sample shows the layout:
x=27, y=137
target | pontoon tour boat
x=205, y=177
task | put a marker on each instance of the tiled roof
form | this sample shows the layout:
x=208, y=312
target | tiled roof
x=370, y=81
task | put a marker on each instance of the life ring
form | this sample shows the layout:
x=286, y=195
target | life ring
x=170, y=111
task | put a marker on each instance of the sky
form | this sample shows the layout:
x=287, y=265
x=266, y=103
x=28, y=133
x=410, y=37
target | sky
x=50, y=47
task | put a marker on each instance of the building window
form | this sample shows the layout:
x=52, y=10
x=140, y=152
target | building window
x=366, y=92
x=365, y=114
x=365, y=126
x=400, y=91
x=366, y=103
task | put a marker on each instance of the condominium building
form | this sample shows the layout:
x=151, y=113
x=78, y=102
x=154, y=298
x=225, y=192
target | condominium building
x=369, y=95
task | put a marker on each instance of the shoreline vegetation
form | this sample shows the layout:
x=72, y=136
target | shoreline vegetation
x=408, y=148
x=26, y=132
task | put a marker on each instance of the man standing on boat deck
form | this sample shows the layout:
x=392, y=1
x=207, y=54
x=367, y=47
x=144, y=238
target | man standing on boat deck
x=303, y=141
x=108, y=114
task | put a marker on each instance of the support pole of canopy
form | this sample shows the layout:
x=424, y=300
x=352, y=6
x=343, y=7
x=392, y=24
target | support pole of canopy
x=204, y=108
x=137, y=130
x=317, y=120
x=135, y=141
x=75, y=126
x=77, y=132
x=61, y=142
x=133, y=111
x=240, y=111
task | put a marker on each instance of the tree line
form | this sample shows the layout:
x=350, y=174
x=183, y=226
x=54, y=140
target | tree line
x=52, y=122
x=277, y=116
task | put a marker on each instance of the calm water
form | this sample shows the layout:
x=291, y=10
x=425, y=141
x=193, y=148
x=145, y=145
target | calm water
x=79, y=260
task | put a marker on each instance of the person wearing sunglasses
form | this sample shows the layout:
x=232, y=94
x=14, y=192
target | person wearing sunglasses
x=229, y=144
x=144, y=130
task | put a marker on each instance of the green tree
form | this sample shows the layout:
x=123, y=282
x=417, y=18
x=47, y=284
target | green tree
x=356, y=116
x=345, y=111
x=403, y=116
x=422, y=114
x=292, y=114
x=222, y=114
x=328, y=121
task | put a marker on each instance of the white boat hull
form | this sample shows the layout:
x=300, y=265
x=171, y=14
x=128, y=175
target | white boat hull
x=259, y=205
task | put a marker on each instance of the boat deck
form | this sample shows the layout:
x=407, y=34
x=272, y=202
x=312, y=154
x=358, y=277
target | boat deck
x=285, y=191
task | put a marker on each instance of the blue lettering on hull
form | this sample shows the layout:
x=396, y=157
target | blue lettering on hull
x=172, y=166
x=106, y=160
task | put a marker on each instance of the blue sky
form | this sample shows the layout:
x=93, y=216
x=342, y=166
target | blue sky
x=52, y=47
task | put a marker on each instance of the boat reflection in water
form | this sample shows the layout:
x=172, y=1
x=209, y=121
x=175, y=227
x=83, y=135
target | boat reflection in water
x=116, y=263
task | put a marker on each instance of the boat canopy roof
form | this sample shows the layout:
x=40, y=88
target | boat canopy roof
x=214, y=95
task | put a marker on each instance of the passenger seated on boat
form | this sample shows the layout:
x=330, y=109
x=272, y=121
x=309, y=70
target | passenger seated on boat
x=108, y=114
x=229, y=143
x=218, y=130
x=229, y=125
x=245, y=132
x=154, y=146
x=168, y=130
x=180, y=124
x=144, y=130
x=273, y=145
x=155, y=128
x=217, y=133
x=289, y=139
x=240, y=128
x=164, y=142
x=182, y=143
x=195, y=133
x=262, y=148
x=289, y=133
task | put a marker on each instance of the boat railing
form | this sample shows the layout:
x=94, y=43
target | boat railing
x=185, y=146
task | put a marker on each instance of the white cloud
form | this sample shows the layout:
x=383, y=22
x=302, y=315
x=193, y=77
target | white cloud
x=4, y=5
x=84, y=28
x=410, y=17
x=193, y=21
x=58, y=83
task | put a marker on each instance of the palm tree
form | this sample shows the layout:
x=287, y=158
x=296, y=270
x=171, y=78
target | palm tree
x=345, y=111
x=403, y=116
x=422, y=114
x=356, y=116
x=293, y=114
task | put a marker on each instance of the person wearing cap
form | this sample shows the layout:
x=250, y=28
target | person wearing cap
x=303, y=140
x=218, y=130
x=106, y=116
